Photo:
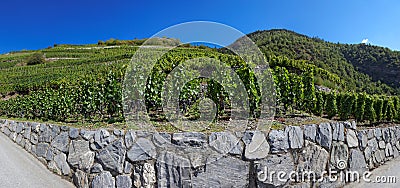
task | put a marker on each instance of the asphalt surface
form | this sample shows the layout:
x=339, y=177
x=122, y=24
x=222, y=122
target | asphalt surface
x=19, y=169
x=386, y=172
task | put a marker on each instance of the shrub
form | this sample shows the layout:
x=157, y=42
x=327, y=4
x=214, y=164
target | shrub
x=34, y=59
x=331, y=106
x=360, y=107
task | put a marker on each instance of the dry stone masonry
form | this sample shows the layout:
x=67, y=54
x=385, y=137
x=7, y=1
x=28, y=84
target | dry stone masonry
x=118, y=158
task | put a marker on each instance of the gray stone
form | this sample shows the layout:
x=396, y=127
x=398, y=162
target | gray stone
x=312, y=158
x=103, y=138
x=193, y=139
x=256, y=145
x=51, y=152
x=52, y=166
x=6, y=131
x=379, y=157
x=20, y=128
x=328, y=182
x=172, y=171
x=395, y=152
x=144, y=175
x=27, y=131
x=295, y=135
x=162, y=139
x=48, y=132
x=351, y=138
x=339, y=155
x=368, y=153
x=80, y=155
x=61, y=142
x=350, y=125
x=13, y=136
x=112, y=157
x=130, y=138
x=386, y=134
x=278, y=141
x=378, y=133
x=104, y=180
x=41, y=149
x=35, y=127
x=80, y=179
x=398, y=145
x=73, y=133
x=96, y=168
x=128, y=167
x=28, y=146
x=357, y=161
x=388, y=150
x=123, y=181
x=324, y=135
x=310, y=132
x=142, y=150
x=225, y=142
x=370, y=133
x=64, y=128
x=118, y=132
x=61, y=162
x=362, y=139
x=337, y=131
x=18, y=140
x=276, y=163
x=381, y=144
x=34, y=138
x=87, y=135
x=235, y=173
x=372, y=144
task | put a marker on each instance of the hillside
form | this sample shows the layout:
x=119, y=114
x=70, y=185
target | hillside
x=372, y=69
x=83, y=83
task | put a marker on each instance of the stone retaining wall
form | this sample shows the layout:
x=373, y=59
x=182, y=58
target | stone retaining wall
x=117, y=158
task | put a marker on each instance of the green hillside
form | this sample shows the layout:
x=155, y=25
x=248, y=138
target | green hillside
x=83, y=83
x=372, y=69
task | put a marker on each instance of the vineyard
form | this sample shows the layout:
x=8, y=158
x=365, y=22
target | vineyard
x=84, y=84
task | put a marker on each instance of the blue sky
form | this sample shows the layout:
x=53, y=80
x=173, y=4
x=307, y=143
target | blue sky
x=27, y=24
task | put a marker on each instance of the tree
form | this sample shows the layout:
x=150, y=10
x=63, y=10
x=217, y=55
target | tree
x=36, y=58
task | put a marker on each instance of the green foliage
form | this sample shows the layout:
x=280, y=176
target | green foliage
x=331, y=106
x=319, y=107
x=359, y=66
x=360, y=107
x=378, y=106
x=390, y=111
x=34, y=59
x=309, y=91
x=369, y=113
x=347, y=102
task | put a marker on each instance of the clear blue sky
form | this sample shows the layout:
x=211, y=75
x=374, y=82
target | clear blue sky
x=27, y=24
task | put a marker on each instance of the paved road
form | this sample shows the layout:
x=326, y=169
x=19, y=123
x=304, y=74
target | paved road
x=19, y=169
x=390, y=168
